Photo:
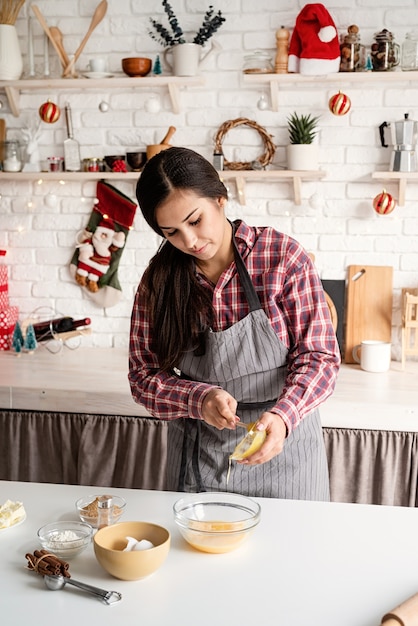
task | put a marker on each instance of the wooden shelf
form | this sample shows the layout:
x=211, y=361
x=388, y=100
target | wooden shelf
x=69, y=176
x=274, y=81
x=401, y=178
x=13, y=88
x=240, y=177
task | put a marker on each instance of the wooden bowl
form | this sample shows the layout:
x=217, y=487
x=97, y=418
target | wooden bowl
x=136, y=66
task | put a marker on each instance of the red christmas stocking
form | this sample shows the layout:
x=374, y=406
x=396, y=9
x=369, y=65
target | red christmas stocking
x=95, y=262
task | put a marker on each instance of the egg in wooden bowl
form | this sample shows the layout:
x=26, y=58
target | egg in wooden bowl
x=136, y=66
x=114, y=552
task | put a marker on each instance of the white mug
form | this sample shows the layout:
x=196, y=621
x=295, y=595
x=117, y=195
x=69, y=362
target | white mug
x=374, y=355
x=97, y=65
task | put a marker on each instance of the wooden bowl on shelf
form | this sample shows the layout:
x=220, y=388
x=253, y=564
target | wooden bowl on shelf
x=136, y=66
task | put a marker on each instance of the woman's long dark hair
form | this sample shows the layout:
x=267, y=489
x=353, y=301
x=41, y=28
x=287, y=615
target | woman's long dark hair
x=180, y=307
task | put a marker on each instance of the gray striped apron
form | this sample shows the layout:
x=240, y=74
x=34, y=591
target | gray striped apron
x=249, y=361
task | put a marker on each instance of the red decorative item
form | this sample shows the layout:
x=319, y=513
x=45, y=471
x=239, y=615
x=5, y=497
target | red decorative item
x=119, y=166
x=339, y=104
x=384, y=203
x=49, y=112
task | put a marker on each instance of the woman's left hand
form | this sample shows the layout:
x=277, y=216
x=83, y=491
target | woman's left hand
x=276, y=434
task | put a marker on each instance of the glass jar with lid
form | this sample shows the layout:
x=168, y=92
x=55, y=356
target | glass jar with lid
x=258, y=62
x=385, y=53
x=352, y=52
x=409, y=58
x=11, y=158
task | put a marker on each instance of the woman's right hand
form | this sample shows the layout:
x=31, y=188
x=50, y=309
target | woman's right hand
x=219, y=409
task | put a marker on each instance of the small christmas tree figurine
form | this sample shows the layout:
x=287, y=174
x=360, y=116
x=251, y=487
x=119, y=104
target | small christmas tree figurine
x=30, y=343
x=157, y=69
x=17, y=340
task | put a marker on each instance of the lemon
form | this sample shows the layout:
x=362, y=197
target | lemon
x=251, y=443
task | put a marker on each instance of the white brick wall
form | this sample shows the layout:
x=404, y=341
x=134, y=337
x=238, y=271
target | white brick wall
x=336, y=219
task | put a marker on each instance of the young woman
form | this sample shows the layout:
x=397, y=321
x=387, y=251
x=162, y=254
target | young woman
x=229, y=323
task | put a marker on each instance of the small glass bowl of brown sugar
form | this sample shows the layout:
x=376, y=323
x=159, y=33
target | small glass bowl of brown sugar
x=100, y=510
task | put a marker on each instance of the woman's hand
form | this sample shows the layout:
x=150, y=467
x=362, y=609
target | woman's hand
x=273, y=444
x=219, y=409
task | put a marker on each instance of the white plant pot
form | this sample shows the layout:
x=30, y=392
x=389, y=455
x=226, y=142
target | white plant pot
x=303, y=156
x=11, y=63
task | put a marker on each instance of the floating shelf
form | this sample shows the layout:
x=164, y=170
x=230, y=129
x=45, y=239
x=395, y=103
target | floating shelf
x=69, y=176
x=239, y=177
x=401, y=178
x=242, y=176
x=13, y=88
x=340, y=78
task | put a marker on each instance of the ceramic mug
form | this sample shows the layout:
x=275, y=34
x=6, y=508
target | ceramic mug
x=97, y=65
x=374, y=355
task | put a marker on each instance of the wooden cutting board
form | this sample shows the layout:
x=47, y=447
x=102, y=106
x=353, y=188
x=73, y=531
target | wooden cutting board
x=369, y=305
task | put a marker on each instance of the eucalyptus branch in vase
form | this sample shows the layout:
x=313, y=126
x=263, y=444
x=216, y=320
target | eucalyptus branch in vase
x=211, y=23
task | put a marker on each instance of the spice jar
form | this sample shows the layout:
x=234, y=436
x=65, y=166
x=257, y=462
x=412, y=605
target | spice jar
x=385, y=52
x=409, y=60
x=258, y=62
x=11, y=156
x=352, y=52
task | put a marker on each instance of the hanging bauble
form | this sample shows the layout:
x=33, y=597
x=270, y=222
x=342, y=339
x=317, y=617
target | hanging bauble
x=384, y=203
x=339, y=104
x=49, y=112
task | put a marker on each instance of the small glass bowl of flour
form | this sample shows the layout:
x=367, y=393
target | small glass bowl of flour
x=65, y=539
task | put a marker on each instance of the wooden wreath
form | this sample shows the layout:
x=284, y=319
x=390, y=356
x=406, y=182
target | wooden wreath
x=264, y=159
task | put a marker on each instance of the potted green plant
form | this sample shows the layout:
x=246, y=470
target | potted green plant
x=303, y=151
x=186, y=56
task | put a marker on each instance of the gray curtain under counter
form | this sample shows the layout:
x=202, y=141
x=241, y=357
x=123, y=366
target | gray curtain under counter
x=96, y=450
x=366, y=466
x=372, y=466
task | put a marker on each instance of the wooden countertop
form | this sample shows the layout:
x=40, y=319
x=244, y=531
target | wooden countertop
x=90, y=380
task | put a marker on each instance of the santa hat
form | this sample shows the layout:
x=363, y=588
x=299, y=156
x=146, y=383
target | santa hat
x=314, y=47
x=106, y=222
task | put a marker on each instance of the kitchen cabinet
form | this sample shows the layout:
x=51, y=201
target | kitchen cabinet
x=174, y=84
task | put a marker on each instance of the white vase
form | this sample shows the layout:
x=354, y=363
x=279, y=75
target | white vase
x=302, y=156
x=11, y=62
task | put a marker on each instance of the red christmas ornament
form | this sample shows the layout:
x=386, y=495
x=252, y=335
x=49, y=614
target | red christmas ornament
x=339, y=104
x=49, y=112
x=384, y=203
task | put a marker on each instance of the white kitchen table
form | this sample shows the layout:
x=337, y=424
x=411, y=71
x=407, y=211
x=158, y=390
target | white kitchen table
x=307, y=564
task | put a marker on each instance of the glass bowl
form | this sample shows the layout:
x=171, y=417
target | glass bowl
x=65, y=539
x=216, y=522
x=88, y=507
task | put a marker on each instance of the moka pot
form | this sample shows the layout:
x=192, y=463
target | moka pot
x=404, y=139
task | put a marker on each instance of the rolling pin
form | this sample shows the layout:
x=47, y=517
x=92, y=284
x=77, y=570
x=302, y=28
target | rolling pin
x=406, y=614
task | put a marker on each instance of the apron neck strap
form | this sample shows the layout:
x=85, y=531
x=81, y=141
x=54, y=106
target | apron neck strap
x=246, y=282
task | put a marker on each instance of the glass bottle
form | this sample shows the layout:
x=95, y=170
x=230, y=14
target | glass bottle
x=385, y=52
x=409, y=59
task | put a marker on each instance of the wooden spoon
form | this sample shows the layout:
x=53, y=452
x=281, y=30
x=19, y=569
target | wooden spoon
x=57, y=36
x=98, y=15
x=44, y=25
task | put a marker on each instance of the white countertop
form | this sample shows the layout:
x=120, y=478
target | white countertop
x=307, y=563
x=89, y=380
